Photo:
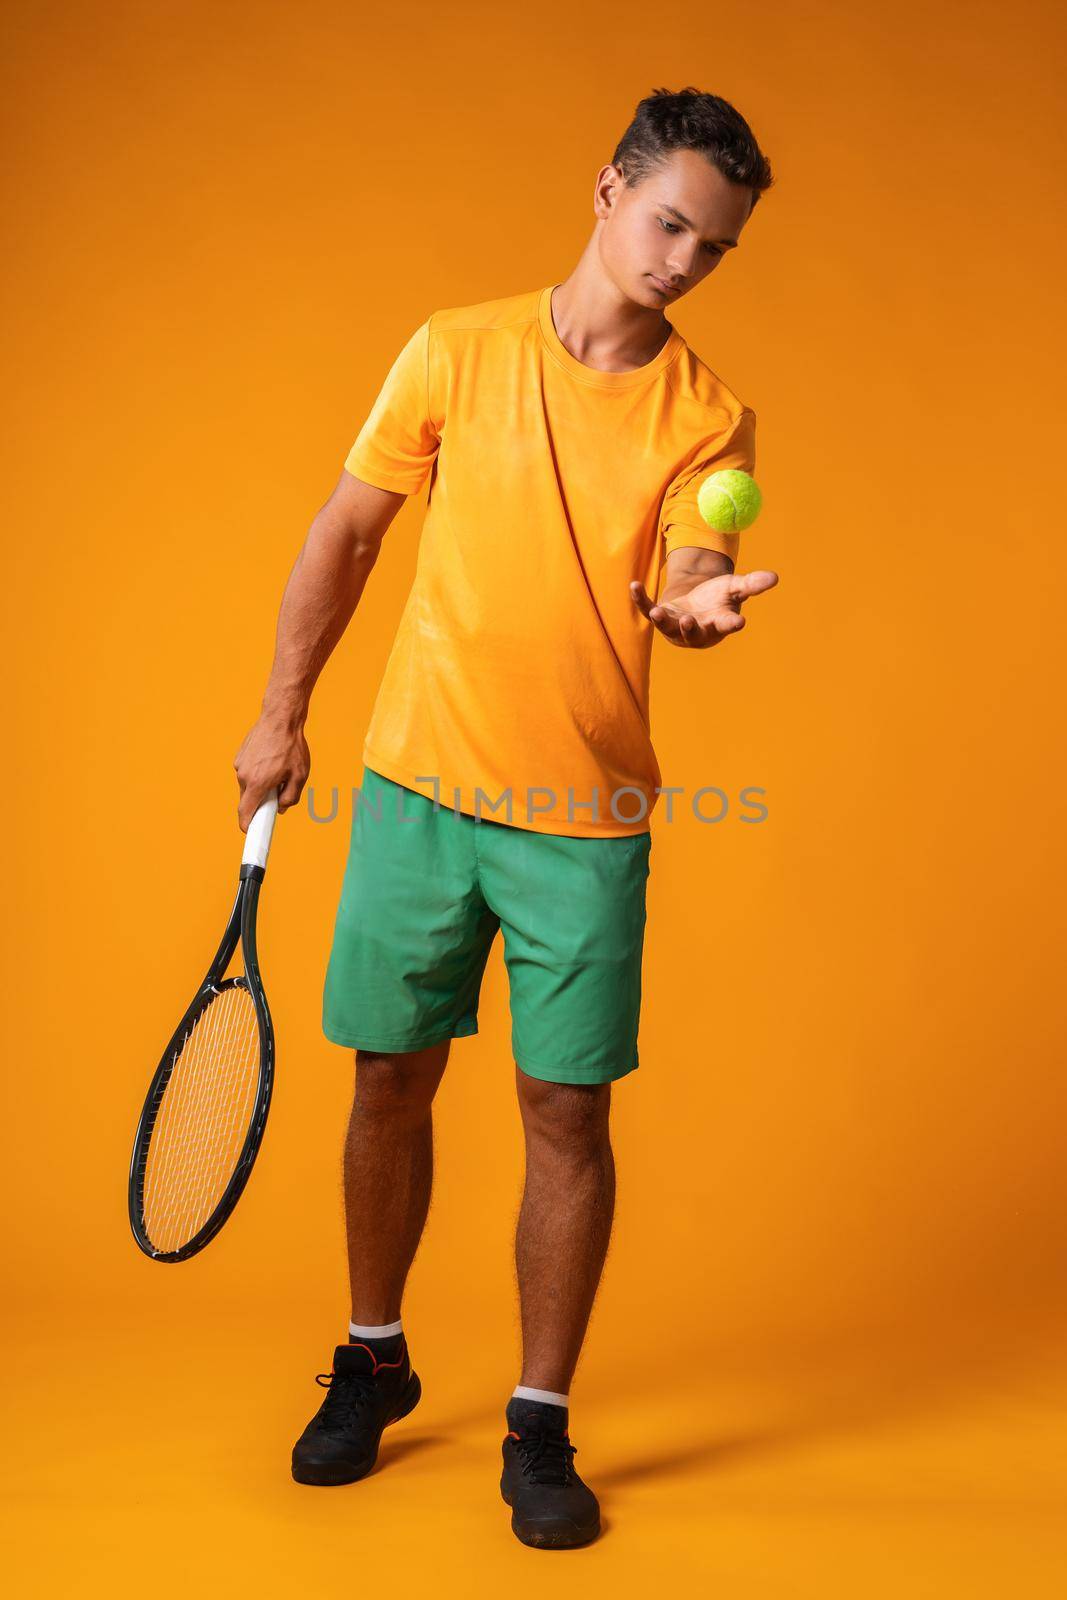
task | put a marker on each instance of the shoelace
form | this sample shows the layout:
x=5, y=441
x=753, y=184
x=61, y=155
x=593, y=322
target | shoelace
x=348, y=1394
x=546, y=1457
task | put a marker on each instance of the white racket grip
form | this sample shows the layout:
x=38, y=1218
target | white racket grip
x=260, y=829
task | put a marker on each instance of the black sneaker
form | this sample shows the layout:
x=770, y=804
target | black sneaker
x=340, y=1443
x=551, y=1507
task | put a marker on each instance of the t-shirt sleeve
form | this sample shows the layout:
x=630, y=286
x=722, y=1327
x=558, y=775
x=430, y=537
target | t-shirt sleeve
x=396, y=446
x=680, y=520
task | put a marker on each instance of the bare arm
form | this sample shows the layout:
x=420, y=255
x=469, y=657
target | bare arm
x=320, y=597
x=689, y=565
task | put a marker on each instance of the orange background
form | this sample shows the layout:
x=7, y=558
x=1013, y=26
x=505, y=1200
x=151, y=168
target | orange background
x=824, y=1355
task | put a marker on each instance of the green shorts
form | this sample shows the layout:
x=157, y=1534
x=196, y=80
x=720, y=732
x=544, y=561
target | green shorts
x=424, y=893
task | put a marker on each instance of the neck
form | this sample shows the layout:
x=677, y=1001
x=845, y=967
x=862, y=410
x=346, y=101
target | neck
x=599, y=325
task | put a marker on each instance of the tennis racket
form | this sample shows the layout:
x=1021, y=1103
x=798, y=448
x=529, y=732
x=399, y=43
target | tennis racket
x=206, y=1108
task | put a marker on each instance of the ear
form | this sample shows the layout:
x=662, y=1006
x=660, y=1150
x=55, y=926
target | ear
x=609, y=180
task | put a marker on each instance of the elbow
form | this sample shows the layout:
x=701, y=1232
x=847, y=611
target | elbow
x=348, y=538
x=365, y=547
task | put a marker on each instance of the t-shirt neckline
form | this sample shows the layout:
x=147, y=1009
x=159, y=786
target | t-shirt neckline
x=592, y=375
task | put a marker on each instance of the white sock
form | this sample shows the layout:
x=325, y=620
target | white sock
x=359, y=1330
x=546, y=1396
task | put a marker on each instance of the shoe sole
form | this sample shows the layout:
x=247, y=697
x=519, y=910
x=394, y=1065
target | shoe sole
x=331, y=1476
x=550, y=1537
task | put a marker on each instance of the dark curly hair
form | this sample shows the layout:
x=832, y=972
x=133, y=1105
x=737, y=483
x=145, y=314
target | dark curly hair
x=688, y=119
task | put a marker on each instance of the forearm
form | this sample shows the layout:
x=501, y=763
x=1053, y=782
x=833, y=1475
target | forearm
x=322, y=593
x=688, y=566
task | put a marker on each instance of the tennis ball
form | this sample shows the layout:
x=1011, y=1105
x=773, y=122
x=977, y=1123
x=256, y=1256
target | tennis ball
x=729, y=501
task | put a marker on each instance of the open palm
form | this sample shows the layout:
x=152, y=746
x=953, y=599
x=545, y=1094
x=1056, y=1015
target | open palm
x=705, y=614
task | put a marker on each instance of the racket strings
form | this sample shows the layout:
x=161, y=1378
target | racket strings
x=202, y=1120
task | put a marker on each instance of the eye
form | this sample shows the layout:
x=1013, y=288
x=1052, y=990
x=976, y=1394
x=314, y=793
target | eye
x=672, y=227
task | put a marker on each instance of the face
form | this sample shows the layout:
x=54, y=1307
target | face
x=662, y=238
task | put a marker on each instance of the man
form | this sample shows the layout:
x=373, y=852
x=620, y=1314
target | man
x=508, y=769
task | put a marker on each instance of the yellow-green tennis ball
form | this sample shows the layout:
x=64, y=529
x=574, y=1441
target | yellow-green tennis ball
x=729, y=500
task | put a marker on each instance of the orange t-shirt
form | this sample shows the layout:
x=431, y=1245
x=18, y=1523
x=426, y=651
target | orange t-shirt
x=518, y=684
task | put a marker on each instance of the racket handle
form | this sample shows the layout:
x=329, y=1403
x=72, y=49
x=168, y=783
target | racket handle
x=260, y=829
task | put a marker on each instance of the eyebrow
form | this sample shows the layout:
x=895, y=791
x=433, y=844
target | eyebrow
x=730, y=243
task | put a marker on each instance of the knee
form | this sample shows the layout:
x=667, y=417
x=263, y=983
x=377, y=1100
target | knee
x=568, y=1119
x=392, y=1086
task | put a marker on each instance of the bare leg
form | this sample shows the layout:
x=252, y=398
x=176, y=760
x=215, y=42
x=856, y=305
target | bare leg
x=564, y=1222
x=388, y=1173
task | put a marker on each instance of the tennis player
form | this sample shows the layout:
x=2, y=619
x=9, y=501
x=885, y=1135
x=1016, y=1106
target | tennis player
x=508, y=773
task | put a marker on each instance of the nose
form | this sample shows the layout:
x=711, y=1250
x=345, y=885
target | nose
x=680, y=267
